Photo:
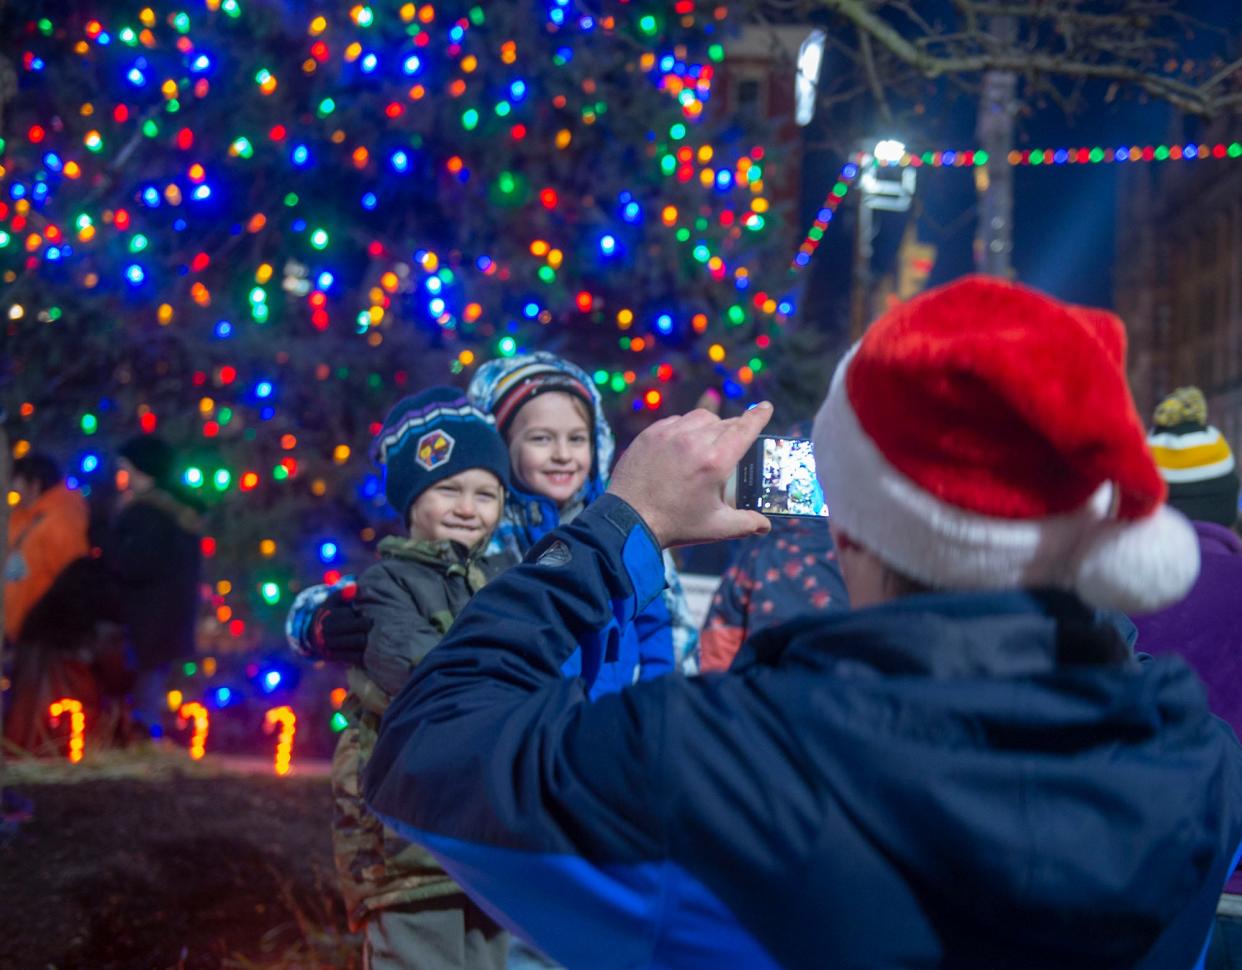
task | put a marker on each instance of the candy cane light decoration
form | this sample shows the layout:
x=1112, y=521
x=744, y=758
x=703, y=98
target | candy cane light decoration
x=196, y=713
x=77, y=724
x=288, y=722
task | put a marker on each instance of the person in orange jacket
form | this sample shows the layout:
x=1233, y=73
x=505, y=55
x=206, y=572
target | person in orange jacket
x=47, y=531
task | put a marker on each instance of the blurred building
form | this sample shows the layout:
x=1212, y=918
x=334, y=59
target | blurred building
x=1178, y=274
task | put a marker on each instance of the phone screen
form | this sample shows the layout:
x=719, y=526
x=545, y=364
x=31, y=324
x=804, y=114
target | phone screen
x=777, y=477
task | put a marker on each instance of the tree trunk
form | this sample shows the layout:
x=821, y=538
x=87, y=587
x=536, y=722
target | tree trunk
x=997, y=107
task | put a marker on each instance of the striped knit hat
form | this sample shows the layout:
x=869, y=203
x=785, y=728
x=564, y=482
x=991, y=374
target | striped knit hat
x=1194, y=459
x=432, y=436
x=982, y=436
x=527, y=381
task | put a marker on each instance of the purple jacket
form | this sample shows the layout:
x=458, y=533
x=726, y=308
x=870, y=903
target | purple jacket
x=1206, y=628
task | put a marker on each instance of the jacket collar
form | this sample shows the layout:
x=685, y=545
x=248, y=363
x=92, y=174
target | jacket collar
x=946, y=635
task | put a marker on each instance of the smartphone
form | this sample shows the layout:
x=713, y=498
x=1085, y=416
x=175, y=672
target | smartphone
x=777, y=477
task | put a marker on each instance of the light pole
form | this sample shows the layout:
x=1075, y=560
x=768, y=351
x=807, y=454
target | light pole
x=877, y=190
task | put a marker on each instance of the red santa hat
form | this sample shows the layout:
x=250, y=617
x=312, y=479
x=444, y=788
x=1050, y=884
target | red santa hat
x=983, y=436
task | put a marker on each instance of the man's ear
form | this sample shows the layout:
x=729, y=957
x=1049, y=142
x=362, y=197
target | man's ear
x=846, y=542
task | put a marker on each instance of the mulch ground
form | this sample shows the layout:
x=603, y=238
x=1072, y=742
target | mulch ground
x=152, y=862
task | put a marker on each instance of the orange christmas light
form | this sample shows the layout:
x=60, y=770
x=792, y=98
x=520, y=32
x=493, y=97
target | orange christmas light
x=288, y=723
x=77, y=725
x=195, y=712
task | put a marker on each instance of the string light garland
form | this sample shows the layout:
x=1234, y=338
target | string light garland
x=1029, y=157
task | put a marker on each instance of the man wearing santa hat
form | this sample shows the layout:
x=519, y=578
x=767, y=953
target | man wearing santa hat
x=968, y=769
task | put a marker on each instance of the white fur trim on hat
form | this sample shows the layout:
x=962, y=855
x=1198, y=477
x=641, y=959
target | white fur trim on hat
x=1138, y=566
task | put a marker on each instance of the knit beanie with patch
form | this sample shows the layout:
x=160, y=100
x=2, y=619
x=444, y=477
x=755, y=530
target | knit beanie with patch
x=434, y=435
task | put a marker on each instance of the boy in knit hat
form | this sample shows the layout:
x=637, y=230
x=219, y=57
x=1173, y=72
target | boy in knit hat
x=445, y=473
x=966, y=769
x=1206, y=627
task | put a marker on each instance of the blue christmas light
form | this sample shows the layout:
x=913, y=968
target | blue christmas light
x=369, y=201
x=436, y=307
x=325, y=281
x=200, y=193
x=368, y=63
x=223, y=695
x=263, y=389
x=411, y=65
x=135, y=274
x=89, y=463
x=151, y=197
x=328, y=551
x=664, y=323
x=135, y=75
x=271, y=680
x=531, y=310
x=224, y=330
x=53, y=162
x=300, y=156
x=517, y=90
x=608, y=244
x=632, y=212
x=201, y=64
x=400, y=161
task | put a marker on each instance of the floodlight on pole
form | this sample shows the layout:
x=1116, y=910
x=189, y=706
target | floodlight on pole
x=888, y=151
x=806, y=82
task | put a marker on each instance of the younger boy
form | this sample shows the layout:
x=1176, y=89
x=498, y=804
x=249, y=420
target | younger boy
x=445, y=472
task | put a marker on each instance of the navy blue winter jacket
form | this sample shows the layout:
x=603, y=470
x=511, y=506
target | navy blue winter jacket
x=968, y=780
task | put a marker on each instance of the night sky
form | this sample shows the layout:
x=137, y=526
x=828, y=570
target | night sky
x=1065, y=217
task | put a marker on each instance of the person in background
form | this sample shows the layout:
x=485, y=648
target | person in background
x=47, y=531
x=791, y=571
x=47, y=534
x=969, y=768
x=1206, y=627
x=153, y=555
x=445, y=473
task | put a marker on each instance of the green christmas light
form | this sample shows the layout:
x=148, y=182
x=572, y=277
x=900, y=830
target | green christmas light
x=193, y=477
x=189, y=668
x=736, y=314
x=90, y=424
x=241, y=146
x=507, y=347
x=339, y=722
x=280, y=473
x=326, y=107
x=715, y=53
x=221, y=479
x=648, y=25
x=270, y=593
x=150, y=128
x=319, y=239
x=470, y=119
x=138, y=243
x=181, y=22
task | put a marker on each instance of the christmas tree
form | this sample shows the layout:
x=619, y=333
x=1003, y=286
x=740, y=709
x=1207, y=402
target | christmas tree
x=251, y=227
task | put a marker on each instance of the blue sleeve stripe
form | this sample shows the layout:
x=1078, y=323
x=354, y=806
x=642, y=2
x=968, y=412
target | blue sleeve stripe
x=644, y=563
x=649, y=914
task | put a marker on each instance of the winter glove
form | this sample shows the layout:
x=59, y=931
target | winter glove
x=325, y=624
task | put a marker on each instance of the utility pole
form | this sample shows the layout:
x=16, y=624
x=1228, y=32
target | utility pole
x=994, y=181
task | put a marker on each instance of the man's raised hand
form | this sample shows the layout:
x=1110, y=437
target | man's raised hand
x=674, y=476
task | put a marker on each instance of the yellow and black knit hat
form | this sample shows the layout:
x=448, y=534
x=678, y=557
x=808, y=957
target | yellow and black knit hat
x=1194, y=458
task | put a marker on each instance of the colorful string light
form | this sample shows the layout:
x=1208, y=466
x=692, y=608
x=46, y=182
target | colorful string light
x=971, y=158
